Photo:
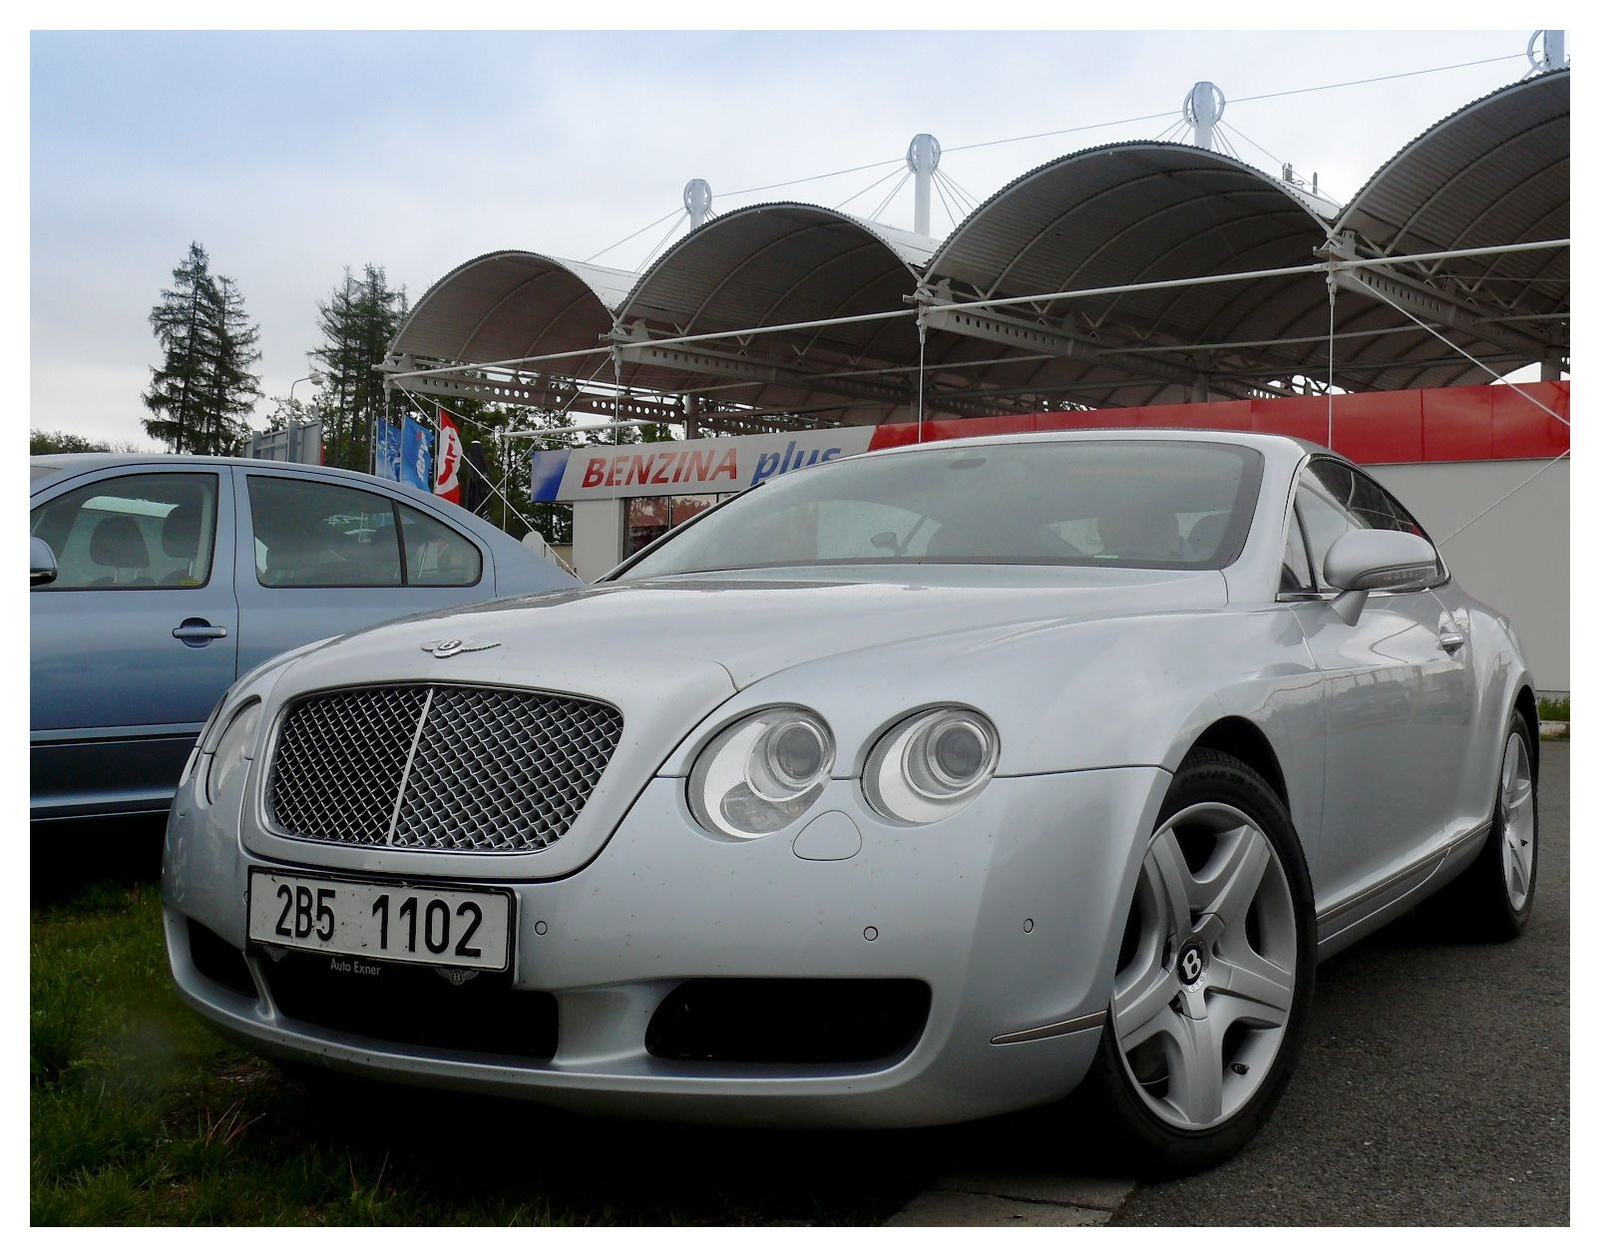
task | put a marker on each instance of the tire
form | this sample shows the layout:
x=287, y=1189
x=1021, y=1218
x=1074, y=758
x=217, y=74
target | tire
x=1492, y=899
x=1212, y=994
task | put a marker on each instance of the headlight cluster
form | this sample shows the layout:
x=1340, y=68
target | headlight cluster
x=766, y=770
x=231, y=755
x=931, y=764
x=762, y=772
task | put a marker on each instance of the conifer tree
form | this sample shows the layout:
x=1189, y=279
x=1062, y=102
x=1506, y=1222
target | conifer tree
x=232, y=388
x=184, y=333
x=358, y=321
x=199, y=396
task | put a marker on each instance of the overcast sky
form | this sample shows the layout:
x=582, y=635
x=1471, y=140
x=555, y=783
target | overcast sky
x=290, y=156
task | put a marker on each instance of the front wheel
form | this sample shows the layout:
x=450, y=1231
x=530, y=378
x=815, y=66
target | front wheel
x=1214, y=974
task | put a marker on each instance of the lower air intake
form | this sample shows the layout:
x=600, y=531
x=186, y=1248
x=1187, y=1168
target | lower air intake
x=802, y=1021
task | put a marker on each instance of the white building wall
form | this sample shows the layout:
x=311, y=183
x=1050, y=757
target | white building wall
x=596, y=537
x=1517, y=558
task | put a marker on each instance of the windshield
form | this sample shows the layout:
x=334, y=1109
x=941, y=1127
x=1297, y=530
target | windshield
x=1181, y=505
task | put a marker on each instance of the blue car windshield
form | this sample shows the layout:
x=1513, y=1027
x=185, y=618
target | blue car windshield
x=1179, y=505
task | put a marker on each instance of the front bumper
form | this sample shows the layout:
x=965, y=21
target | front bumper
x=1009, y=911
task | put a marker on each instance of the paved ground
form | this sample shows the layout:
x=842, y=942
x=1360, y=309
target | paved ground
x=1434, y=1088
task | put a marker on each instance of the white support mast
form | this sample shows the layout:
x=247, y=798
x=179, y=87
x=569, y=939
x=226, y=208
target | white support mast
x=922, y=159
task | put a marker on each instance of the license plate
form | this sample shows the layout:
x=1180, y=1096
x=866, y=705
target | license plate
x=432, y=925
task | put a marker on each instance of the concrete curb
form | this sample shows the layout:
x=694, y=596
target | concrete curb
x=1554, y=729
x=1015, y=1200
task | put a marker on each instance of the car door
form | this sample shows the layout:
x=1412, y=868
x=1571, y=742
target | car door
x=134, y=641
x=319, y=556
x=1397, y=696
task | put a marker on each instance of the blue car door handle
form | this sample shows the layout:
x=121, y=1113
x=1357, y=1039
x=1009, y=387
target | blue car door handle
x=198, y=632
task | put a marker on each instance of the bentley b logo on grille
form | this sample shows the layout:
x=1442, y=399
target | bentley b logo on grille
x=455, y=646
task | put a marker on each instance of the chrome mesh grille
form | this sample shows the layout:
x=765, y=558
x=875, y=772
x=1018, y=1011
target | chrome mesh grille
x=438, y=767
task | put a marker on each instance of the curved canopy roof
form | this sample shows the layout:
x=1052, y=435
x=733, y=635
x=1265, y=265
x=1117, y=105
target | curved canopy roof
x=1134, y=213
x=1076, y=221
x=1493, y=173
x=770, y=265
x=513, y=304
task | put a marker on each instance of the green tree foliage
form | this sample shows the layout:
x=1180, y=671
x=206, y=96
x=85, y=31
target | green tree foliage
x=298, y=409
x=233, y=389
x=42, y=442
x=358, y=322
x=201, y=394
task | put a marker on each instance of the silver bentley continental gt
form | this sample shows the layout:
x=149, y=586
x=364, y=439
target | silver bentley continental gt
x=901, y=790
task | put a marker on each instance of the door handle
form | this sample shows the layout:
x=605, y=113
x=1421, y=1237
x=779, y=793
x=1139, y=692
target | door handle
x=198, y=631
x=1452, y=642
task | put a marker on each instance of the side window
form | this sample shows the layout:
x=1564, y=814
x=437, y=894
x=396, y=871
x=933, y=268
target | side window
x=1364, y=501
x=1332, y=478
x=1378, y=508
x=152, y=531
x=437, y=554
x=1325, y=522
x=309, y=534
x=1375, y=508
x=1297, y=577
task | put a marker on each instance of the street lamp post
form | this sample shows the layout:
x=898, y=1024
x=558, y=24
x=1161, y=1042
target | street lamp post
x=317, y=379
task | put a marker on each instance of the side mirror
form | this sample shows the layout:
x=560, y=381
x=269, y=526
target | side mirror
x=43, y=561
x=1372, y=558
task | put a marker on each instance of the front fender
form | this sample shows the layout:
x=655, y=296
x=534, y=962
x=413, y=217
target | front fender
x=1071, y=697
x=1106, y=693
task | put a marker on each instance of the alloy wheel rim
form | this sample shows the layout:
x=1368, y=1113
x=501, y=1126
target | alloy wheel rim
x=1206, y=974
x=1516, y=822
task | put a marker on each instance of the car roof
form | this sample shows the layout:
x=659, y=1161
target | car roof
x=78, y=464
x=70, y=465
x=1267, y=442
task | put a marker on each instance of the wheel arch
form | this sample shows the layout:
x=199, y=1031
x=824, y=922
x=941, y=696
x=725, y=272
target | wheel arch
x=1527, y=706
x=1244, y=740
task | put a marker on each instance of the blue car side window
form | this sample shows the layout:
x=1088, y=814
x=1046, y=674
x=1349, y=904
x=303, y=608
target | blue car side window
x=312, y=535
x=153, y=531
x=437, y=554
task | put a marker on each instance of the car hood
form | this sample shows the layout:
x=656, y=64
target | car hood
x=668, y=652
x=752, y=627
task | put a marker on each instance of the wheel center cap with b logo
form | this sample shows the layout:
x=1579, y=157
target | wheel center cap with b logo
x=1191, y=963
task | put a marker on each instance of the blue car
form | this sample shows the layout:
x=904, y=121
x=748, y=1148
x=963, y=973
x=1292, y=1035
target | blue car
x=159, y=580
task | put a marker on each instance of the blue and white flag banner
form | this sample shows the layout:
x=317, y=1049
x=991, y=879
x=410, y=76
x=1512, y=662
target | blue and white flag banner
x=416, y=455
x=387, y=464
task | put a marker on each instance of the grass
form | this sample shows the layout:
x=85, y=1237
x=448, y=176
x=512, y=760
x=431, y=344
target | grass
x=1555, y=708
x=140, y=1116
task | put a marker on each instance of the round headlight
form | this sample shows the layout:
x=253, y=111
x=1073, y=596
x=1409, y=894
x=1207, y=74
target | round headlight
x=232, y=755
x=931, y=764
x=761, y=773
